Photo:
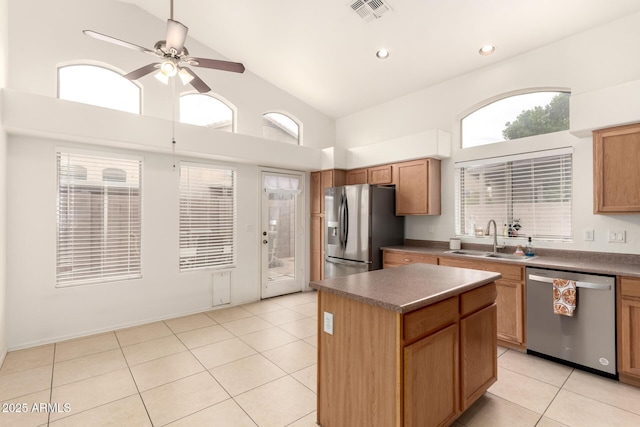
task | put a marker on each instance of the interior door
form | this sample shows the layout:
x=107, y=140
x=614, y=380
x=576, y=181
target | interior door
x=282, y=234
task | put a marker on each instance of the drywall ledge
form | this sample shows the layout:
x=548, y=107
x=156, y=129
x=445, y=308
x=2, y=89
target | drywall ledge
x=603, y=108
x=433, y=143
x=36, y=115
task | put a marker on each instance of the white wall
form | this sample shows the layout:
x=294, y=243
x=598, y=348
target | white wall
x=4, y=42
x=39, y=312
x=596, y=60
x=37, y=123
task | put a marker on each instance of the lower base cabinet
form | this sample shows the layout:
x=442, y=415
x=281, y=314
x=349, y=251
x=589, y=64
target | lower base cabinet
x=422, y=369
x=629, y=330
x=434, y=361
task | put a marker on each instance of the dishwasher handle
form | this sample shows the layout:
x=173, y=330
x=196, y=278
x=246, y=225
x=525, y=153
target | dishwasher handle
x=579, y=284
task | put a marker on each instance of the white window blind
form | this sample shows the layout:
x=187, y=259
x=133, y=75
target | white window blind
x=98, y=219
x=534, y=188
x=207, y=216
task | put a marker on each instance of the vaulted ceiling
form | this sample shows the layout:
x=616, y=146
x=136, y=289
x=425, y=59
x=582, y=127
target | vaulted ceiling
x=324, y=53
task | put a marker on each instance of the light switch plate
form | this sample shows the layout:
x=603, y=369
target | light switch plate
x=617, y=236
x=328, y=323
x=588, y=235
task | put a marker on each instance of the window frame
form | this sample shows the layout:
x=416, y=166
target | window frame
x=104, y=66
x=217, y=97
x=111, y=158
x=184, y=252
x=514, y=190
x=494, y=99
x=290, y=117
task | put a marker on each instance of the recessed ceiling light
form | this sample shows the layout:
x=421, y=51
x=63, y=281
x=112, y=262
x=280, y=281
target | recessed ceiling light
x=487, y=50
x=382, y=54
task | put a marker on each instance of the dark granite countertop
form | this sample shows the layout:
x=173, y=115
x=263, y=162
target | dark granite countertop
x=408, y=288
x=579, y=261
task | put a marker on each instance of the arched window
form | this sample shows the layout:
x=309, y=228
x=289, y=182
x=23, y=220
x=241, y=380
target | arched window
x=95, y=85
x=517, y=116
x=206, y=110
x=280, y=127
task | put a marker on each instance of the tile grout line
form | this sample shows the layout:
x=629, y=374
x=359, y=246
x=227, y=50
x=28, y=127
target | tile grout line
x=133, y=378
x=53, y=369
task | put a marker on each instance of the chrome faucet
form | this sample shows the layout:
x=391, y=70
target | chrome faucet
x=495, y=235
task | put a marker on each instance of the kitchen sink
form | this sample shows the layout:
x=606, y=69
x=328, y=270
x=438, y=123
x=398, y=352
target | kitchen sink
x=484, y=254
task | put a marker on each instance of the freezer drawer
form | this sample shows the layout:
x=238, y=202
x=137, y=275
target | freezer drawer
x=334, y=267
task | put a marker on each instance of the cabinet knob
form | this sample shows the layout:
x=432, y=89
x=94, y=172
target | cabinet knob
x=407, y=259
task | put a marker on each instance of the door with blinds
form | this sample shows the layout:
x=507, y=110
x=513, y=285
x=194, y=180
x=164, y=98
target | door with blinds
x=282, y=233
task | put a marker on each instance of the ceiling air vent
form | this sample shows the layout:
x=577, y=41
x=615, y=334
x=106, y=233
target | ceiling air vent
x=369, y=9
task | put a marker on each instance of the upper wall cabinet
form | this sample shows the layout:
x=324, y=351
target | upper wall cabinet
x=616, y=156
x=357, y=176
x=417, y=187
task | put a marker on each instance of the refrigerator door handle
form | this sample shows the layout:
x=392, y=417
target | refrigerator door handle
x=346, y=221
x=345, y=262
x=341, y=221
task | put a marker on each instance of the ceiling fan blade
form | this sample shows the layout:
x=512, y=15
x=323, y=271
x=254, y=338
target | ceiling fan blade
x=215, y=64
x=143, y=71
x=197, y=82
x=176, y=35
x=118, y=42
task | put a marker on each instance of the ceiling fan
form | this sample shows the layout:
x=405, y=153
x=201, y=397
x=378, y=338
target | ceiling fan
x=174, y=57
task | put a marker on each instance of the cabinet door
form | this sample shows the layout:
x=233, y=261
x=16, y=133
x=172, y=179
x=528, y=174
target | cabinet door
x=431, y=380
x=510, y=303
x=629, y=328
x=616, y=154
x=357, y=176
x=418, y=187
x=316, y=193
x=478, y=353
x=380, y=175
x=317, y=248
x=330, y=178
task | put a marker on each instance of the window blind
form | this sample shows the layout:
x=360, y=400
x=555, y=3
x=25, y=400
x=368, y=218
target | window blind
x=207, y=217
x=534, y=188
x=98, y=219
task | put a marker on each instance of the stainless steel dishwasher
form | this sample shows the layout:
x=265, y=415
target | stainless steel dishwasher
x=588, y=339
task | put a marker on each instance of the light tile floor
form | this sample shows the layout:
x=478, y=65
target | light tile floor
x=255, y=365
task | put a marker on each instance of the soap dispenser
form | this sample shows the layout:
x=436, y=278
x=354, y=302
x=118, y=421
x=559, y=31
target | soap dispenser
x=528, y=250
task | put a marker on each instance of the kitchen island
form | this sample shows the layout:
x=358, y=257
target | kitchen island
x=409, y=346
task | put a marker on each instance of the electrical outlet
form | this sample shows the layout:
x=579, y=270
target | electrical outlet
x=588, y=235
x=328, y=323
x=617, y=236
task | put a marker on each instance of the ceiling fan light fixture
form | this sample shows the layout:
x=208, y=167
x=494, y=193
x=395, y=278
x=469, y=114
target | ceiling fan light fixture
x=487, y=50
x=169, y=68
x=185, y=76
x=162, y=77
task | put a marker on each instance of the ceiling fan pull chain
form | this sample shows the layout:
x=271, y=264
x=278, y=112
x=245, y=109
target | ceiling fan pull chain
x=173, y=121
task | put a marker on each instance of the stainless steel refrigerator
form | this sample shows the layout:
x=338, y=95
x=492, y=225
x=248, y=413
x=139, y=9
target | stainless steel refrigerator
x=359, y=220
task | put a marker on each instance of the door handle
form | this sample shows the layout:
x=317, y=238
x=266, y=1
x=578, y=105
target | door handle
x=265, y=241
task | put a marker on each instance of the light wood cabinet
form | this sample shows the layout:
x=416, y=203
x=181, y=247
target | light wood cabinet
x=478, y=353
x=316, y=193
x=616, y=155
x=511, y=304
x=320, y=181
x=380, y=175
x=391, y=258
x=432, y=361
x=357, y=176
x=629, y=330
x=417, y=187
x=422, y=368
